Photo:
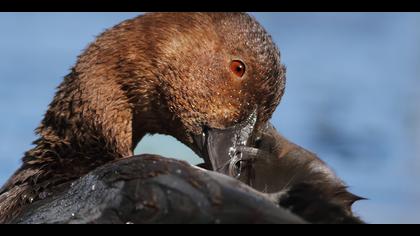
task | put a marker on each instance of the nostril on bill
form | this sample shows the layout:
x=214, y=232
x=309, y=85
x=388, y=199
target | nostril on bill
x=236, y=164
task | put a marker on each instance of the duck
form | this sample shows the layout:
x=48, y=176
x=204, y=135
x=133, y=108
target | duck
x=178, y=74
x=211, y=80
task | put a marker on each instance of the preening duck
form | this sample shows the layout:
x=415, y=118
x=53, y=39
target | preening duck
x=180, y=74
x=211, y=80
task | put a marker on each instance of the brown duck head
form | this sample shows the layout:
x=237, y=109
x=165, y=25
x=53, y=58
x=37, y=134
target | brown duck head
x=218, y=77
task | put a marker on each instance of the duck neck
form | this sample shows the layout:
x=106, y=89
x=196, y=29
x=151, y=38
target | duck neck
x=89, y=123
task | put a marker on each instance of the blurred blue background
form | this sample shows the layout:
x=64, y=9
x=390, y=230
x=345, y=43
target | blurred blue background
x=352, y=95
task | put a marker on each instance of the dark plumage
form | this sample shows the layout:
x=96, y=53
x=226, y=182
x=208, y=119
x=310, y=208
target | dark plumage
x=300, y=180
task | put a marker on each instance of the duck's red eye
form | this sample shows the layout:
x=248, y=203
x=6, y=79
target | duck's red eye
x=237, y=68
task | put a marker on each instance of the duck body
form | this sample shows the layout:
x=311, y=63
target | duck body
x=149, y=189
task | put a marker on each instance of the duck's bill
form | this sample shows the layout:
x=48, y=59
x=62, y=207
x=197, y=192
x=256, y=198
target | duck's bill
x=222, y=149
